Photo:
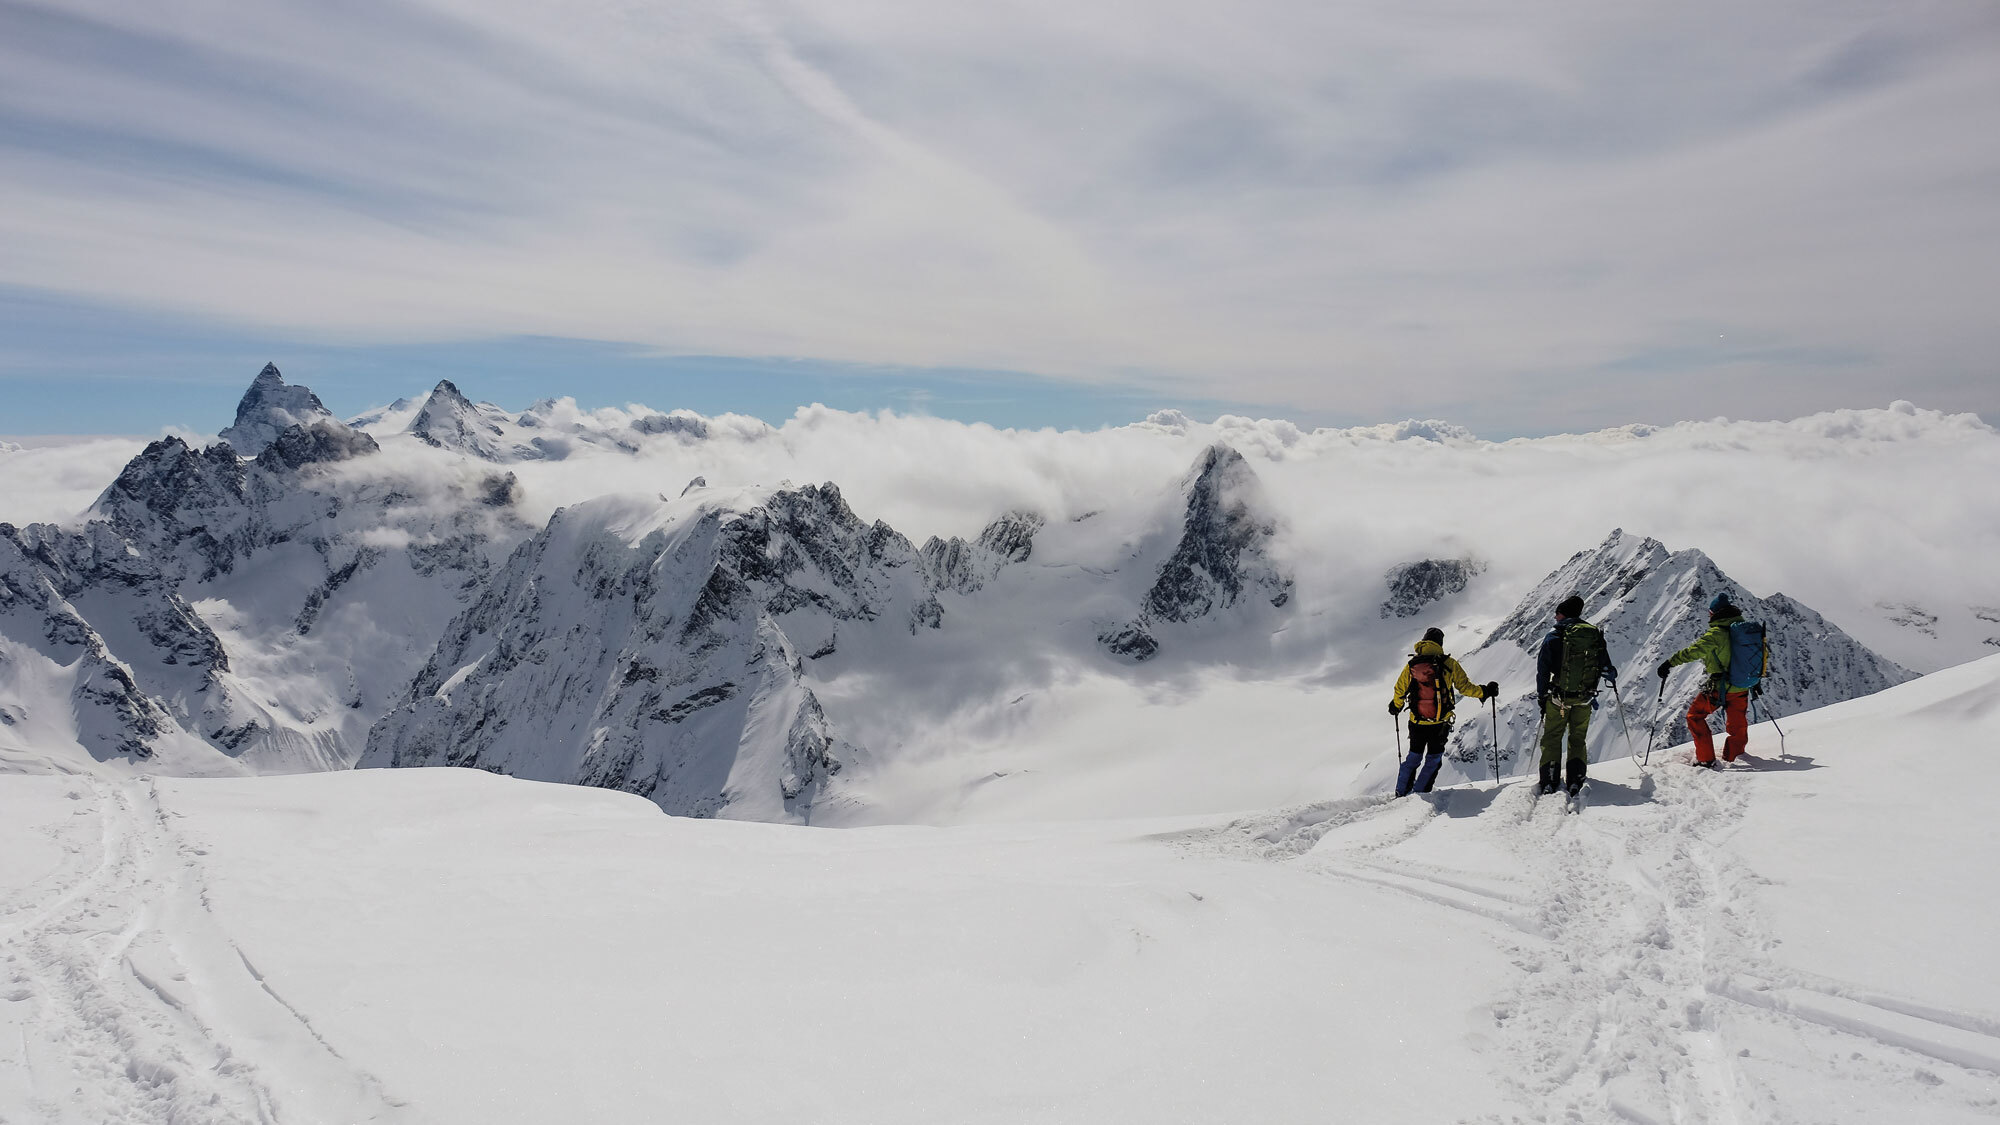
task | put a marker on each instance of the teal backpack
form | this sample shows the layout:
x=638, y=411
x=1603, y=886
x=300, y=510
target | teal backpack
x=1749, y=655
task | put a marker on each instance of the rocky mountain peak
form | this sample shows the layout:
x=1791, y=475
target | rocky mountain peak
x=965, y=568
x=268, y=408
x=170, y=476
x=1601, y=576
x=1220, y=558
x=1416, y=585
x=1218, y=561
x=449, y=420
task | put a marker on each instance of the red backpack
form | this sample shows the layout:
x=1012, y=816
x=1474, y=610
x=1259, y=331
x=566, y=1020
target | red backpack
x=1430, y=698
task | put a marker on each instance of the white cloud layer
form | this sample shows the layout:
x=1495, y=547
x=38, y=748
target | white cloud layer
x=1363, y=209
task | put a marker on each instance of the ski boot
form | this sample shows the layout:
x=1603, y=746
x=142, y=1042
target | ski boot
x=1551, y=779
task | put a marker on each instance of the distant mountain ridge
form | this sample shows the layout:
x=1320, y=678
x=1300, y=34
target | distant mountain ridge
x=222, y=609
x=698, y=616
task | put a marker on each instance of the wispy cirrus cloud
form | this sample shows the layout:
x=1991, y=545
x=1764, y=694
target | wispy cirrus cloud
x=1509, y=217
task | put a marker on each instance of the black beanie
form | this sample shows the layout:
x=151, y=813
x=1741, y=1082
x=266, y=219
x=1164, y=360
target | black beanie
x=1571, y=606
x=1434, y=635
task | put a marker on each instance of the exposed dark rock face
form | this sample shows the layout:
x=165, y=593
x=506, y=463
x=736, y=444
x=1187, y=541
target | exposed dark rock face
x=43, y=567
x=268, y=409
x=681, y=425
x=1910, y=616
x=965, y=568
x=1218, y=562
x=500, y=490
x=177, y=505
x=1412, y=586
x=1130, y=641
x=663, y=666
x=319, y=443
x=1220, y=559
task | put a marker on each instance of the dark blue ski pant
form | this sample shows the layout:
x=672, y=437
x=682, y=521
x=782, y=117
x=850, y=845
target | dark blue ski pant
x=1427, y=747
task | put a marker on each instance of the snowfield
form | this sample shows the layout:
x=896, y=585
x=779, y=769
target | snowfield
x=1801, y=941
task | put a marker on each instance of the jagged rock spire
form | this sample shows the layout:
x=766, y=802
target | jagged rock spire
x=269, y=408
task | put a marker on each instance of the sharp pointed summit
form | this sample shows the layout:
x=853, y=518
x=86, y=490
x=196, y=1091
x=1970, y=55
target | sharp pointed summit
x=449, y=420
x=269, y=408
x=1219, y=559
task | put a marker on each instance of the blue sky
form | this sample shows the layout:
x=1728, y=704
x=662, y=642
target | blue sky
x=74, y=369
x=1523, y=219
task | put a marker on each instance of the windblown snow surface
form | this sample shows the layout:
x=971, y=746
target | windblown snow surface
x=1799, y=939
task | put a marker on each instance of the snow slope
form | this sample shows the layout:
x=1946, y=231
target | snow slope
x=1788, y=943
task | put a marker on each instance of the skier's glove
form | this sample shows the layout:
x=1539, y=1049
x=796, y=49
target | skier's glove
x=1665, y=669
x=1542, y=700
x=1757, y=692
x=1612, y=675
x=1492, y=689
x=1395, y=708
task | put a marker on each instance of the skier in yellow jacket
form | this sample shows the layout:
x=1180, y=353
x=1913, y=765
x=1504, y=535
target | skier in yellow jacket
x=1425, y=686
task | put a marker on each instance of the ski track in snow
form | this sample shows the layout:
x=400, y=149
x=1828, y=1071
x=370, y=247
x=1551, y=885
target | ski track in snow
x=1647, y=992
x=121, y=980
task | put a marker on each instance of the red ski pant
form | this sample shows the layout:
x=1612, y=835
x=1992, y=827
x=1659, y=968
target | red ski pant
x=1735, y=720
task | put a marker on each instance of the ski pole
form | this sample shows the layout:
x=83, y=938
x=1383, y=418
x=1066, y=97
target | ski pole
x=1494, y=706
x=1397, y=722
x=1773, y=720
x=1653, y=727
x=1624, y=727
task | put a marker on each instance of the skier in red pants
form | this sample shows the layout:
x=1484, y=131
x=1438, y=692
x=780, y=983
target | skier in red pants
x=1713, y=650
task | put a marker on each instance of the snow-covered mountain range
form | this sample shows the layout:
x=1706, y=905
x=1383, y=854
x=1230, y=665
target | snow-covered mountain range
x=441, y=582
x=214, y=612
x=662, y=646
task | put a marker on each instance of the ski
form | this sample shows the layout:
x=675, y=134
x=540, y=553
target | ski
x=1573, y=802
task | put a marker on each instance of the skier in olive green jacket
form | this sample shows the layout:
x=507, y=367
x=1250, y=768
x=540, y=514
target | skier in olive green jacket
x=1712, y=649
x=1572, y=660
